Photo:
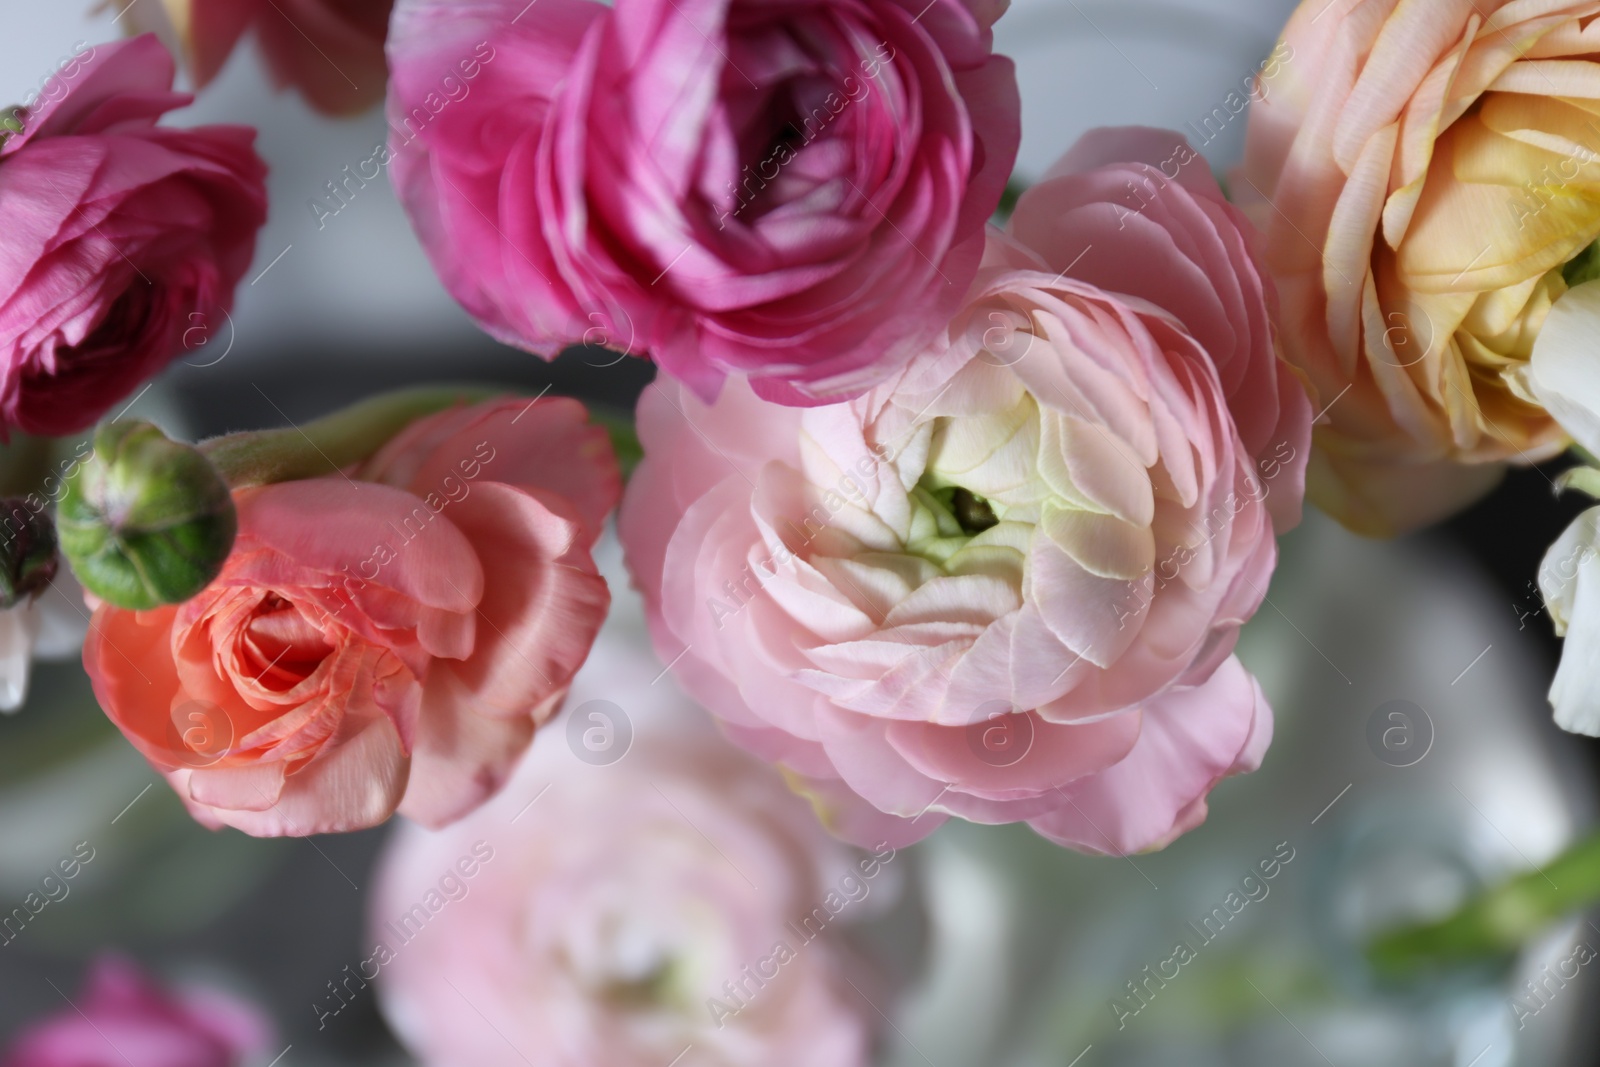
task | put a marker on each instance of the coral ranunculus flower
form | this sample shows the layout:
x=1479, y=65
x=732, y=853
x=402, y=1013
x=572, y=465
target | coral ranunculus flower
x=791, y=191
x=1433, y=168
x=381, y=641
x=1006, y=585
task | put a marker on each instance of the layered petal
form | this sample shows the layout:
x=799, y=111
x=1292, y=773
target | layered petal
x=793, y=193
x=1010, y=580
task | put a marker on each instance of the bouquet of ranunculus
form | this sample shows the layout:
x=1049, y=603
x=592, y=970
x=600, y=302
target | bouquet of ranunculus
x=950, y=497
x=942, y=516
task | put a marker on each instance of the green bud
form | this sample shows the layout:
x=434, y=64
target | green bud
x=145, y=521
x=28, y=557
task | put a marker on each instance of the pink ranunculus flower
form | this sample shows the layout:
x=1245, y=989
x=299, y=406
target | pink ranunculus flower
x=380, y=641
x=331, y=50
x=672, y=894
x=1006, y=585
x=122, y=1016
x=792, y=191
x=122, y=238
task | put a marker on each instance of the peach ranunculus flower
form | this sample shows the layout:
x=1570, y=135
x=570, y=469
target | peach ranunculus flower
x=331, y=50
x=1433, y=168
x=388, y=640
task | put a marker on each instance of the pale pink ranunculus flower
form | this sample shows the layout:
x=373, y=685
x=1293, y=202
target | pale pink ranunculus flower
x=388, y=640
x=330, y=50
x=124, y=240
x=1005, y=586
x=791, y=191
x=123, y=1016
x=597, y=912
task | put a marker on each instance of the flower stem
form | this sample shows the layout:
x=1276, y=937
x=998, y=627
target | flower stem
x=1497, y=922
x=333, y=442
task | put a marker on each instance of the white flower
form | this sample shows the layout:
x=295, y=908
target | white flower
x=1569, y=580
x=1562, y=375
x=50, y=627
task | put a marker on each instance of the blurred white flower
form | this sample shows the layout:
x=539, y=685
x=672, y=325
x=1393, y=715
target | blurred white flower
x=50, y=627
x=1569, y=580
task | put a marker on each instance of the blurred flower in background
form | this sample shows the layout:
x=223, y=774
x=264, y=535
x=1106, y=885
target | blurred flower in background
x=330, y=50
x=641, y=892
x=123, y=1018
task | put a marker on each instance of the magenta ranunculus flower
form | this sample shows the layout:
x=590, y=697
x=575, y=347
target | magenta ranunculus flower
x=122, y=237
x=792, y=191
x=1007, y=584
x=122, y=1016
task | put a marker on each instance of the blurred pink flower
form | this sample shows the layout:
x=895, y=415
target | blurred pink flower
x=331, y=50
x=792, y=191
x=617, y=914
x=122, y=1018
x=1006, y=585
x=122, y=238
x=388, y=641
